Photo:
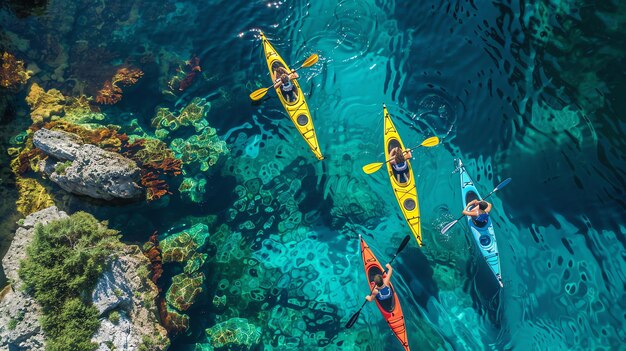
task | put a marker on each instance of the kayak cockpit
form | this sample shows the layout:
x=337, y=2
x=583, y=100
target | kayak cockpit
x=387, y=304
x=469, y=197
x=401, y=176
x=275, y=66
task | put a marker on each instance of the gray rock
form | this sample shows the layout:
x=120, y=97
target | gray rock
x=93, y=171
x=19, y=313
x=23, y=237
x=112, y=289
x=60, y=144
x=135, y=300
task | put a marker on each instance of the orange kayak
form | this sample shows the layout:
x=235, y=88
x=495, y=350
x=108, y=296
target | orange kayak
x=390, y=308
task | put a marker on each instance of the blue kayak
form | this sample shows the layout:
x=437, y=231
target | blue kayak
x=484, y=235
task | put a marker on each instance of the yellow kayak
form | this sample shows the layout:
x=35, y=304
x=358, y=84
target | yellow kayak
x=298, y=110
x=404, y=189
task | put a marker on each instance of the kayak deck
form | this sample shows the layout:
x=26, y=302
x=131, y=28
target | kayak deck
x=484, y=236
x=390, y=308
x=404, y=189
x=297, y=110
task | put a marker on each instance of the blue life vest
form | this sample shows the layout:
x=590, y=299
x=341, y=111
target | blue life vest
x=399, y=167
x=482, y=218
x=287, y=87
x=384, y=293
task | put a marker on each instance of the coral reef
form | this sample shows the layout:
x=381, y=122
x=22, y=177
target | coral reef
x=193, y=189
x=181, y=246
x=184, y=289
x=235, y=332
x=191, y=115
x=185, y=75
x=44, y=104
x=152, y=251
x=111, y=93
x=12, y=73
x=203, y=149
x=79, y=110
x=33, y=196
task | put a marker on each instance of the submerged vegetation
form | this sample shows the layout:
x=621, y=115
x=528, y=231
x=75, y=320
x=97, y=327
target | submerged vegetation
x=63, y=264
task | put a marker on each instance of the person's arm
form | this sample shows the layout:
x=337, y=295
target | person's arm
x=408, y=155
x=467, y=211
x=294, y=75
x=389, y=273
x=392, y=156
x=277, y=84
x=372, y=296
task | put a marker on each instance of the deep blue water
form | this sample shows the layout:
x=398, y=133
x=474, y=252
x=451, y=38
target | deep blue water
x=528, y=90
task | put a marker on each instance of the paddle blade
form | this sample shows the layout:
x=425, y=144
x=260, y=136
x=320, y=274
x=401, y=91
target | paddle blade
x=372, y=167
x=403, y=244
x=448, y=226
x=430, y=142
x=310, y=61
x=503, y=184
x=258, y=94
x=353, y=319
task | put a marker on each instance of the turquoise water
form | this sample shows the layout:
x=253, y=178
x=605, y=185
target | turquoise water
x=532, y=91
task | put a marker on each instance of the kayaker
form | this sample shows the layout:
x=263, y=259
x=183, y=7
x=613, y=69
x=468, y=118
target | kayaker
x=399, y=164
x=381, y=291
x=479, y=210
x=282, y=79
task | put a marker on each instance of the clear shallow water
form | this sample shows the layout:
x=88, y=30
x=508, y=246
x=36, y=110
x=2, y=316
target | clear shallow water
x=519, y=90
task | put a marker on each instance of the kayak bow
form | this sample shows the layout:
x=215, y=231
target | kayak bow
x=405, y=192
x=390, y=308
x=297, y=110
x=484, y=237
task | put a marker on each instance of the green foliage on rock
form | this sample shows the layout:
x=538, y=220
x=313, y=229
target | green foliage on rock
x=60, y=167
x=114, y=317
x=63, y=263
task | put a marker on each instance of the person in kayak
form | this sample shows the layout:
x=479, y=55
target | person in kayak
x=479, y=210
x=382, y=290
x=398, y=162
x=282, y=79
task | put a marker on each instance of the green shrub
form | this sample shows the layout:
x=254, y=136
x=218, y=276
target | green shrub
x=12, y=324
x=60, y=167
x=114, y=317
x=63, y=263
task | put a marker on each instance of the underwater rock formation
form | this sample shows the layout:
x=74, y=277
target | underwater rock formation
x=12, y=73
x=236, y=332
x=92, y=171
x=19, y=312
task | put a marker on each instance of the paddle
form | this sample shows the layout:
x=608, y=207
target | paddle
x=451, y=224
x=260, y=93
x=356, y=315
x=373, y=167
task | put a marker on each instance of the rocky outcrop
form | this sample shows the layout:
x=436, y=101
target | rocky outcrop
x=86, y=169
x=19, y=313
x=124, y=288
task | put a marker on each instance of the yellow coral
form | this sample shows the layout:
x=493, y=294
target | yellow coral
x=44, y=104
x=78, y=110
x=33, y=196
